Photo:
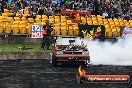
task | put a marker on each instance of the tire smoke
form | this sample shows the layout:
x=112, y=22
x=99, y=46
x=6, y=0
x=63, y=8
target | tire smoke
x=107, y=53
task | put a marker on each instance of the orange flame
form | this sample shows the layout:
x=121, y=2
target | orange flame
x=81, y=71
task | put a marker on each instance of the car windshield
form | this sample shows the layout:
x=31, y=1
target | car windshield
x=68, y=41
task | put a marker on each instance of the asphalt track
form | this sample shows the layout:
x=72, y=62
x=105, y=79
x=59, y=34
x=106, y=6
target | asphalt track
x=40, y=74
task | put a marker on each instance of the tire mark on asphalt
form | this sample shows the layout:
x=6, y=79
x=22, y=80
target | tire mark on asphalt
x=5, y=78
x=60, y=72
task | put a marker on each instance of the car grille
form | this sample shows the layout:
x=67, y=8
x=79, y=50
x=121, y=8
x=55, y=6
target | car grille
x=77, y=52
x=72, y=52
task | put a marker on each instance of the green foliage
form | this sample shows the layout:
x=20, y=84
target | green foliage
x=15, y=48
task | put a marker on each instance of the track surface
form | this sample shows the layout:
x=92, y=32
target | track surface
x=40, y=74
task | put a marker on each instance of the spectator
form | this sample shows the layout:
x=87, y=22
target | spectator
x=48, y=11
x=105, y=15
x=3, y=5
x=41, y=2
x=33, y=2
x=59, y=2
x=15, y=8
x=41, y=11
x=53, y=7
x=35, y=9
x=10, y=6
x=24, y=4
x=57, y=10
x=31, y=15
x=114, y=8
x=126, y=17
x=20, y=14
x=0, y=9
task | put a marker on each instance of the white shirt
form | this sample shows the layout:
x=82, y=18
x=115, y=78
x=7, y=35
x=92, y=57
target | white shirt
x=105, y=15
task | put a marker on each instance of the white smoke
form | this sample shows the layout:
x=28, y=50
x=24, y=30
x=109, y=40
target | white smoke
x=106, y=53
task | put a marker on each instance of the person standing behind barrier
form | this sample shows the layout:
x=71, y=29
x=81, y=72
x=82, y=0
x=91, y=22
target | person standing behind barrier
x=48, y=36
x=43, y=45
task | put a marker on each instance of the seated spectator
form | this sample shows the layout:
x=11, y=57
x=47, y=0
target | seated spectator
x=31, y=15
x=10, y=6
x=105, y=15
x=131, y=6
x=48, y=1
x=126, y=17
x=3, y=5
x=15, y=8
x=48, y=11
x=63, y=7
x=35, y=9
x=30, y=8
x=53, y=7
x=57, y=10
x=130, y=13
x=41, y=11
x=24, y=4
x=41, y=2
x=20, y=14
x=33, y=2
x=37, y=3
x=0, y=9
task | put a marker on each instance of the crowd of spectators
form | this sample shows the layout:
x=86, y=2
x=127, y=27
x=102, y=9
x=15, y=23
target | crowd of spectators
x=106, y=8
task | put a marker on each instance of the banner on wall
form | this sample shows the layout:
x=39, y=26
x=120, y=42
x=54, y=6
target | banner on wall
x=37, y=31
x=125, y=31
x=92, y=31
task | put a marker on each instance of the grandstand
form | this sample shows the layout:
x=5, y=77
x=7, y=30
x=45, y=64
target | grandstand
x=62, y=24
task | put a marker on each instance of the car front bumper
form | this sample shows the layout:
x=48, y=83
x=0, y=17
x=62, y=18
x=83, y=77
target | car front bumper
x=68, y=57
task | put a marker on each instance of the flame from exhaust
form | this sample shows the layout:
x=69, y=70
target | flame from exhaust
x=81, y=71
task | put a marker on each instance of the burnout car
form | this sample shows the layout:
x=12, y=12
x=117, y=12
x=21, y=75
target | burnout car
x=67, y=49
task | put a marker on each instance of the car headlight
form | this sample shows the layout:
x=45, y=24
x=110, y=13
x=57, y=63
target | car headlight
x=59, y=52
x=81, y=50
x=85, y=49
x=85, y=52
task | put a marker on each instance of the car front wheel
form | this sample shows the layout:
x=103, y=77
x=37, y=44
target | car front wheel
x=54, y=62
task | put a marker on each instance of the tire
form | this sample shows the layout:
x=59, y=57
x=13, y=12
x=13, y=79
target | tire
x=54, y=62
x=80, y=80
x=84, y=64
x=87, y=62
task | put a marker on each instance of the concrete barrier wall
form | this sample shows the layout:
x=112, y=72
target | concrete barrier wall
x=27, y=40
x=23, y=55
